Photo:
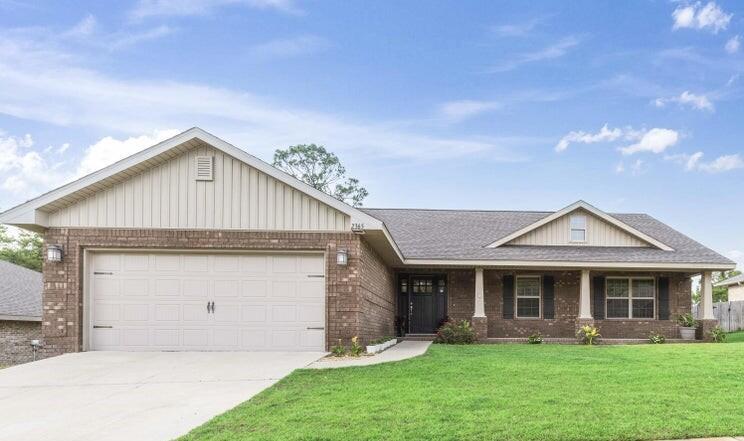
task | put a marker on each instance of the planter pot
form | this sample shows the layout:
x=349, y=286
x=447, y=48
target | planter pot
x=687, y=333
x=373, y=349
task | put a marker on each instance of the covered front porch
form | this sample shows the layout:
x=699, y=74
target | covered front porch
x=510, y=304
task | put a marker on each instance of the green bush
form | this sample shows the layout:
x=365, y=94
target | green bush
x=718, y=334
x=339, y=350
x=687, y=321
x=535, y=339
x=656, y=338
x=588, y=335
x=452, y=333
x=356, y=349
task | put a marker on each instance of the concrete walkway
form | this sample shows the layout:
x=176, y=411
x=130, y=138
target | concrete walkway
x=401, y=351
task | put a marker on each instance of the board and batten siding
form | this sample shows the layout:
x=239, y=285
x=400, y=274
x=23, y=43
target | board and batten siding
x=598, y=233
x=169, y=196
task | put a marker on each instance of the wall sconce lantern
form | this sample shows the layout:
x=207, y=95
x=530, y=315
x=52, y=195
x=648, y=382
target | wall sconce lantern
x=342, y=257
x=54, y=253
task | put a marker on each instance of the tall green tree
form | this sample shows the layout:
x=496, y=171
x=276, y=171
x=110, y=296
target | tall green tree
x=322, y=170
x=26, y=249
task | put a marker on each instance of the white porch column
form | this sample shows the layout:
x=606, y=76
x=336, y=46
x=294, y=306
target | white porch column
x=480, y=307
x=706, y=297
x=585, y=304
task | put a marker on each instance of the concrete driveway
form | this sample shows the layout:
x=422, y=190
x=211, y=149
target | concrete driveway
x=132, y=395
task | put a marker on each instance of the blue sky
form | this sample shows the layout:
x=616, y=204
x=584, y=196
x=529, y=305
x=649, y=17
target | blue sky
x=631, y=106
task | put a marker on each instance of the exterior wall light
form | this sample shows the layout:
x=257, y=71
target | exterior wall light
x=342, y=257
x=54, y=253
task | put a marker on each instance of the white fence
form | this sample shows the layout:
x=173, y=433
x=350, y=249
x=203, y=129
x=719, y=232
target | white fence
x=730, y=315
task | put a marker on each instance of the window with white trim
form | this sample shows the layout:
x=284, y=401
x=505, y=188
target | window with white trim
x=578, y=228
x=528, y=292
x=630, y=297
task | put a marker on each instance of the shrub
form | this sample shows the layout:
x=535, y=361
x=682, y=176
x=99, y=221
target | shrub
x=535, y=339
x=588, y=335
x=687, y=321
x=718, y=334
x=656, y=338
x=339, y=350
x=356, y=349
x=455, y=333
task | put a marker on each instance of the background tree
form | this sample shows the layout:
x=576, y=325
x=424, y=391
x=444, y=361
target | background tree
x=25, y=249
x=322, y=170
x=720, y=293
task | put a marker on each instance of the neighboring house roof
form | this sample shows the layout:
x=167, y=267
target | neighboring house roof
x=20, y=293
x=736, y=280
x=436, y=235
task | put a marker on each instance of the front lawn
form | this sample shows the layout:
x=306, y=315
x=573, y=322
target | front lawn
x=735, y=337
x=505, y=392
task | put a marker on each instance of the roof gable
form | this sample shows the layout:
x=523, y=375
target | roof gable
x=34, y=214
x=631, y=236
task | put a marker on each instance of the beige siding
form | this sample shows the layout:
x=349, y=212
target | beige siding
x=168, y=196
x=598, y=233
x=736, y=293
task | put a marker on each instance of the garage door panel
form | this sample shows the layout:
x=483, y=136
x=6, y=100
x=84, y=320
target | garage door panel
x=158, y=301
x=136, y=312
x=167, y=287
x=254, y=288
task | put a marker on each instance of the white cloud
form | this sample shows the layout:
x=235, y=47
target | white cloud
x=605, y=134
x=637, y=167
x=733, y=44
x=84, y=27
x=694, y=162
x=557, y=50
x=620, y=167
x=154, y=8
x=290, y=47
x=22, y=167
x=88, y=32
x=517, y=29
x=109, y=150
x=698, y=102
x=655, y=140
x=697, y=16
x=463, y=109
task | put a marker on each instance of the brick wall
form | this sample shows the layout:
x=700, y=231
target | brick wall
x=460, y=305
x=377, y=296
x=353, y=307
x=15, y=341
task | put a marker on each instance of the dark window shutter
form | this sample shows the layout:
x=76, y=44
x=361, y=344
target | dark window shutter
x=548, y=297
x=508, y=296
x=598, y=294
x=663, y=298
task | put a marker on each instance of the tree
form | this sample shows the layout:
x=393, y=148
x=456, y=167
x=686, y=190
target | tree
x=322, y=170
x=25, y=249
x=720, y=293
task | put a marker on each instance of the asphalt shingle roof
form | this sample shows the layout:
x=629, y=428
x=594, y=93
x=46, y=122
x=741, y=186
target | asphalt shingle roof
x=464, y=235
x=20, y=290
x=731, y=281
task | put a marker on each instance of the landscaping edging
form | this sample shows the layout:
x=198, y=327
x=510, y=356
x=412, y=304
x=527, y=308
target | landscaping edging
x=376, y=349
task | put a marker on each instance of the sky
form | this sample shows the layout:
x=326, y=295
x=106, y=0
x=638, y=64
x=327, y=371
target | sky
x=631, y=106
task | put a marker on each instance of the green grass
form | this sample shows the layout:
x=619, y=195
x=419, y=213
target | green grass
x=505, y=392
x=735, y=337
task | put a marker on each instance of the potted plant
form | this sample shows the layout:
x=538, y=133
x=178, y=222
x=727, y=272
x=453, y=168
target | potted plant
x=687, y=326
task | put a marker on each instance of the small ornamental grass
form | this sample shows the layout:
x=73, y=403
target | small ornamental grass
x=456, y=333
x=687, y=321
x=718, y=334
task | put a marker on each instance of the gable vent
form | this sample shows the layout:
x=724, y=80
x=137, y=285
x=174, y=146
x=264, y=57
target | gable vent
x=205, y=168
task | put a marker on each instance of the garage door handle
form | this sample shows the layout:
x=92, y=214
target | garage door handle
x=102, y=327
x=318, y=328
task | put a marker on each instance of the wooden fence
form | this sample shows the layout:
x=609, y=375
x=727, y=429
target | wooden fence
x=730, y=315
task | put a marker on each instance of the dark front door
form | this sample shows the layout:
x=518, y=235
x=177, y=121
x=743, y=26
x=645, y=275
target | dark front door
x=425, y=309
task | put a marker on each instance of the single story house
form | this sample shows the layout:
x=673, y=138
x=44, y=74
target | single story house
x=735, y=286
x=194, y=244
x=20, y=312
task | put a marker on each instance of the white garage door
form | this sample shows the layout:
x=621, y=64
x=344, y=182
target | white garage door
x=195, y=301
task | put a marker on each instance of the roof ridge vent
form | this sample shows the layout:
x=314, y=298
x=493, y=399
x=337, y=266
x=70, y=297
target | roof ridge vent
x=205, y=168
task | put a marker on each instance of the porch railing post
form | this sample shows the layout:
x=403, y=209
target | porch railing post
x=585, y=303
x=480, y=321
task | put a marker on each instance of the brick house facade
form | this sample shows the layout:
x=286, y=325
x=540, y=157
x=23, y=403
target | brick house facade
x=15, y=341
x=158, y=202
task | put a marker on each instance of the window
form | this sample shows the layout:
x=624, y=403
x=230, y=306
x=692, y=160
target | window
x=422, y=286
x=528, y=297
x=578, y=228
x=629, y=297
